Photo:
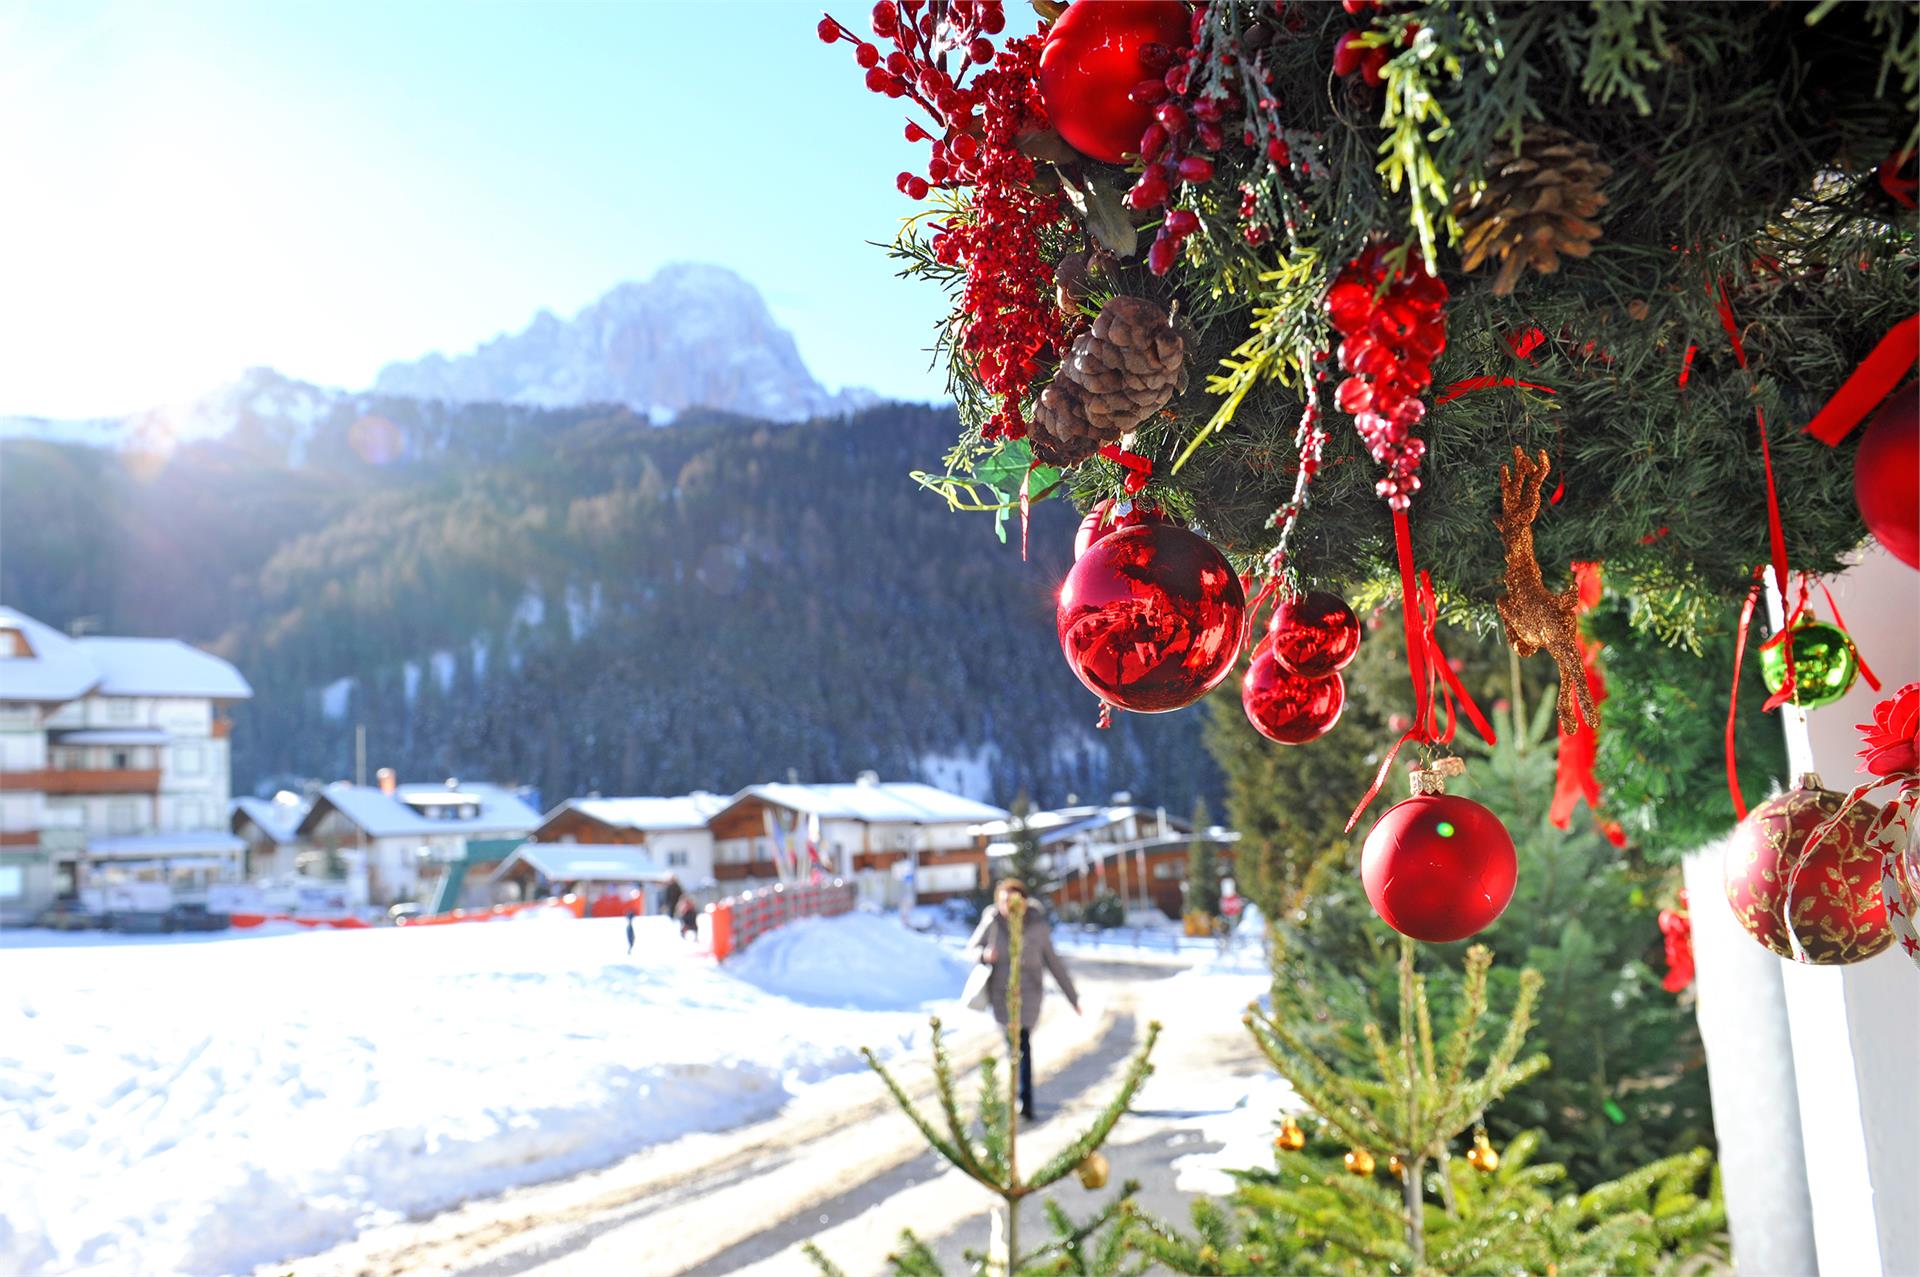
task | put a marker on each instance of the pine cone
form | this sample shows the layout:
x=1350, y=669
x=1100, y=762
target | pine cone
x=1117, y=374
x=1536, y=207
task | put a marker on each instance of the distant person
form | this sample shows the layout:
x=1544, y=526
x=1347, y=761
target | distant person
x=629, y=931
x=992, y=944
x=689, y=917
x=670, y=898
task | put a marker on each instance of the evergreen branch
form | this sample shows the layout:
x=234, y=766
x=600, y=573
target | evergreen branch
x=1096, y=1135
x=961, y=1159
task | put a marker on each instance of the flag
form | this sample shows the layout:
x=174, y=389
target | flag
x=782, y=854
x=813, y=846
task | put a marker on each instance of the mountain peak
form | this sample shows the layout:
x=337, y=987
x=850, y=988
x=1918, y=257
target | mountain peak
x=692, y=336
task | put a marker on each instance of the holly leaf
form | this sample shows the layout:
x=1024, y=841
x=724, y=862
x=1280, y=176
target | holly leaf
x=1106, y=217
x=1049, y=9
x=1046, y=145
x=1006, y=467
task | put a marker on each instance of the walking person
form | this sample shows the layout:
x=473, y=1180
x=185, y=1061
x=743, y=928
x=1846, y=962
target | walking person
x=689, y=917
x=992, y=944
x=629, y=931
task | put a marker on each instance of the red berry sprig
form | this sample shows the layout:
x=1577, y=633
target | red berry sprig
x=1368, y=61
x=1010, y=327
x=1393, y=325
x=1177, y=148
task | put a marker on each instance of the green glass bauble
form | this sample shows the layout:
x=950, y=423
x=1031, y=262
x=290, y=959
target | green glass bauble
x=1824, y=664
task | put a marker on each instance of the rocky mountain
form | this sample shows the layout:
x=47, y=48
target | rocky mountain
x=692, y=336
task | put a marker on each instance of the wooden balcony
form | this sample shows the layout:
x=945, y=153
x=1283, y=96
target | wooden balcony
x=77, y=780
x=735, y=871
x=19, y=837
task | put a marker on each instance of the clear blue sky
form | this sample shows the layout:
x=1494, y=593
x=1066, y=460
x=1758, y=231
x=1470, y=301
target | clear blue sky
x=194, y=187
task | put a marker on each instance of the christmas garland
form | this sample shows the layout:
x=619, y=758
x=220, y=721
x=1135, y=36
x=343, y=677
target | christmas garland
x=1428, y=301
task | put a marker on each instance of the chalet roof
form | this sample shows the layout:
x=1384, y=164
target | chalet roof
x=688, y=812
x=163, y=846
x=585, y=862
x=878, y=802
x=382, y=815
x=279, y=821
x=162, y=667
x=58, y=670
x=111, y=736
x=1065, y=823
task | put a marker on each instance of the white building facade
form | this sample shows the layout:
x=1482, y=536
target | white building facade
x=115, y=767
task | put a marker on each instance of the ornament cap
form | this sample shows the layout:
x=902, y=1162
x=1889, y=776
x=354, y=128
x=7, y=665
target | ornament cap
x=1808, y=780
x=1432, y=779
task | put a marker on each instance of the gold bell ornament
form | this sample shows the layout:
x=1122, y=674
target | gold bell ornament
x=1093, y=1170
x=1483, y=1156
x=1359, y=1161
x=1395, y=1166
x=1291, y=1138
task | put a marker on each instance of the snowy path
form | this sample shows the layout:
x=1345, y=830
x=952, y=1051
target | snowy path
x=840, y=1166
x=252, y=1098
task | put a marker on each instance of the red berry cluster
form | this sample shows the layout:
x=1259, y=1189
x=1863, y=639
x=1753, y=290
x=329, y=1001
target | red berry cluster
x=1351, y=56
x=1177, y=146
x=1011, y=326
x=1393, y=325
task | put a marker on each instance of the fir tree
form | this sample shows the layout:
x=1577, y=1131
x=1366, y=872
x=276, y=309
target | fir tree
x=1203, y=866
x=1027, y=863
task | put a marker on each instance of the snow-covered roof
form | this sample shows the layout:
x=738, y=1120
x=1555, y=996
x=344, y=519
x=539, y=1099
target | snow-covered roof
x=112, y=736
x=279, y=821
x=688, y=812
x=586, y=862
x=877, y=802
x=58, y=670
x=383, y=815
x=202, y=842
x=1067, y=822
x=162, y=667
x=64, y=669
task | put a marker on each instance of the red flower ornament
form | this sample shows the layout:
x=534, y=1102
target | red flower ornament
x=1890, y=744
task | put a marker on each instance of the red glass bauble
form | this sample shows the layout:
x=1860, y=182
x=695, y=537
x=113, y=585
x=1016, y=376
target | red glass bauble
x=1150, y=617
x=1837, y=911
x=1101, y=520
x=1438, y=867
x=1092, y=59
x=1284, y=707
x=1315, y=634
x=1886, y=476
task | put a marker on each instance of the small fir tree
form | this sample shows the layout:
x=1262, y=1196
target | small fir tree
x=1028, y=863
x=1203, y=866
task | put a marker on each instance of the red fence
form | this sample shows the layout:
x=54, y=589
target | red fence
x=737, y=921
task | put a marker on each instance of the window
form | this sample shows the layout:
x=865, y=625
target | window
x=122, y=818
x=189, y=760
x=13, y=879
x=122, y=759
x=676, y=859
x=120, y=709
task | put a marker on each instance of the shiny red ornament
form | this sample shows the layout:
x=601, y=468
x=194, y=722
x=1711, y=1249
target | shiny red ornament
x=1091, y=62
x=1837, y=910
x=1150, y=618
x=1101, y=521
x=1314, y=635
x=1285, y=707
x=1886, y=476
x=1438, y=867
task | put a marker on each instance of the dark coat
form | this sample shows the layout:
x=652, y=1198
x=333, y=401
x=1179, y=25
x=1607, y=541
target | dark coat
x=1037, y=955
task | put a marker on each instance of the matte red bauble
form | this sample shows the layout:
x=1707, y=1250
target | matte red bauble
x=1101, y=521
x=1315, y=634
x=1438, y=867
x=1090, y=62
x=1150, y=617
x=1284, y=707
x=1886, y=476
x=1837, y=911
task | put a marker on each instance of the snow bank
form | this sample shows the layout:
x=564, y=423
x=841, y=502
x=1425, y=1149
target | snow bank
x=861, y=960
x=205, y=1105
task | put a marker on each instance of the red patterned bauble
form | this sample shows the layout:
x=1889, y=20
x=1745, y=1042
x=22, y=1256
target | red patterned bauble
x=1315, y=634
x=1837, y=911
x=1438, y=867
x=1886, y=476
x=1284, y=707
x=1150, y=618
x=1091, y=61
x=1103, y=520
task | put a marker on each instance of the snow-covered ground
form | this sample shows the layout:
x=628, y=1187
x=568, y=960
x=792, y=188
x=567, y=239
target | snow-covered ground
x=203, y=1105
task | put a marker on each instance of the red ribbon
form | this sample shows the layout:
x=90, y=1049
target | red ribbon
x=1573, y=768
x=1026, y=505
x=1868, y=384
x=1459, y=388
x=1138, y=468
x=1733, y=704
x=1426, y=664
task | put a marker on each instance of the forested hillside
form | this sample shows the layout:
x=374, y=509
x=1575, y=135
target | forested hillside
x=577, y=600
